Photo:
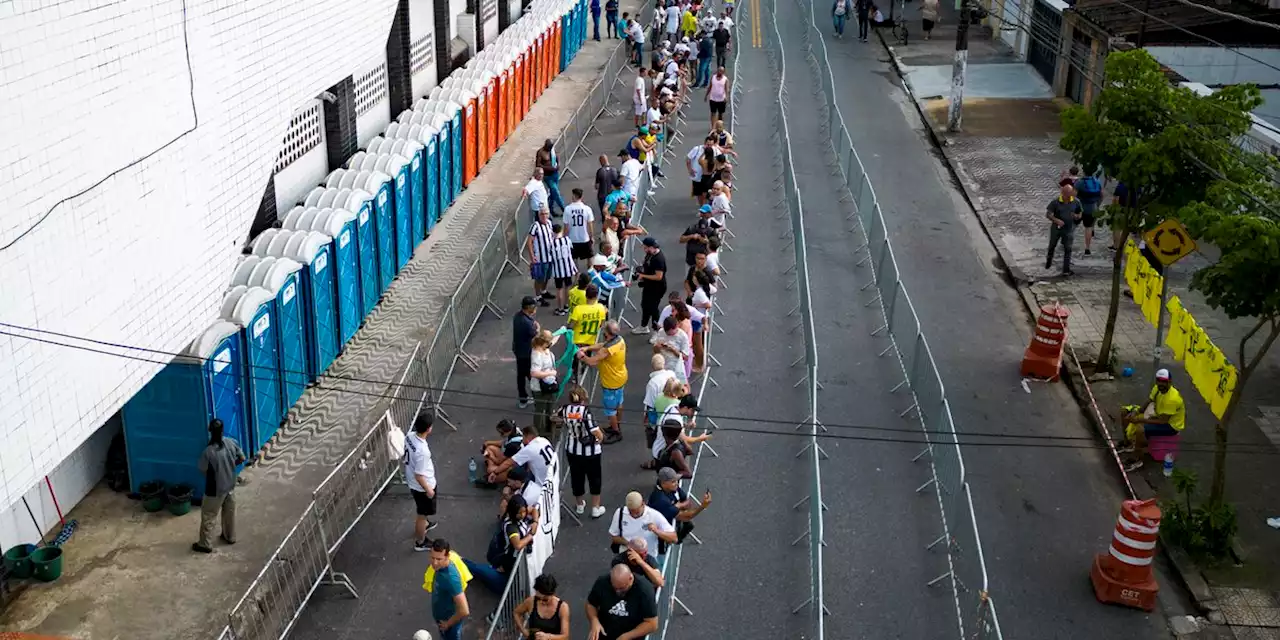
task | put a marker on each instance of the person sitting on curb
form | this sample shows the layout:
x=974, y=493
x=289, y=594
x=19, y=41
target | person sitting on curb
x=1164, y=414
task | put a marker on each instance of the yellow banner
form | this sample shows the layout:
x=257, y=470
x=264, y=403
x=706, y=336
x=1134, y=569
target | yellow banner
x=1210, y=371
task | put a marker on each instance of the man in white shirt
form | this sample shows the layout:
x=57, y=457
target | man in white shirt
x=536, y=192
x=726, y=21
x=579, y=218
x=636, y=520
x=637, y=40
x=538, y=454
x=420, y=475
x=720, y=208
x=673, y=20
x=653, y=117
x=630, y=172
x=709, y=22
x=653, y=388
x=640, y=94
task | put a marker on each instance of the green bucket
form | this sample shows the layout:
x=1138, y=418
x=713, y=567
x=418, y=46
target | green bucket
x=153, y=495
x=179, y=499
x=47, y=563
x=17, y=561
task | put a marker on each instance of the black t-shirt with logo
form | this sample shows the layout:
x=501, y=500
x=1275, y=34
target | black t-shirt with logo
x=693, y=247
x=620, y=614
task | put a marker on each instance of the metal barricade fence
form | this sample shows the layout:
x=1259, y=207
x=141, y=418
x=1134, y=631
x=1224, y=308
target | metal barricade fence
x=503, y=626
x=276, y=597
x=813, y=534
x=959, y=538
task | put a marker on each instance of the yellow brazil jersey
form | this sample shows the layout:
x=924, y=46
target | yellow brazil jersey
x=613, y=368
x=576, y=297
x=1170, y=403
x=586, y=320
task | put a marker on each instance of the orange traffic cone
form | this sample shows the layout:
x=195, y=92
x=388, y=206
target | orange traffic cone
x=1123, y=575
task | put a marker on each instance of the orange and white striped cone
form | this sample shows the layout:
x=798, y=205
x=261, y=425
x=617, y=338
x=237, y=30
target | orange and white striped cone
x=1124, y=575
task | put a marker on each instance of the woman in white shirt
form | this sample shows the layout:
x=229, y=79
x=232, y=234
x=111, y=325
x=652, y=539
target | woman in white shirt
x=543, y=381
x=702, y=292
x=653, y=390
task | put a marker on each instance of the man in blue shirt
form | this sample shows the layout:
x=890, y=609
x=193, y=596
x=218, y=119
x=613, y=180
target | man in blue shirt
x=595, y=19
x=448, y=601
x=604, y=280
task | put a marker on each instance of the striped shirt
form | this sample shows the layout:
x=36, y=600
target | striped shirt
x=605, y=282
x=542, y=237
x=577, y=419
x=562, y=264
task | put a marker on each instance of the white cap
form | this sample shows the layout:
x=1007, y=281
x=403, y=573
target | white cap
x=422, y=634
x=599, y=261
x=1162, y=374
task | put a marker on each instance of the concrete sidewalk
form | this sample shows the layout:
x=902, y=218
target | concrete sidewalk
x=1008, y=160
x=131, y=575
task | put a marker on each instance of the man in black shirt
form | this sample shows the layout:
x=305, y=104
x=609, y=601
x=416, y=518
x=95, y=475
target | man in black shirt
x=695, y=237
x=652, y=277
x=721, y=37
x=606, y=175
x=523, y=329
x=621, y=607
x=636, y=557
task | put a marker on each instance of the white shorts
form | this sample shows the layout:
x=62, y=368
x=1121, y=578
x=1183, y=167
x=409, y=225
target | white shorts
x=641, y=109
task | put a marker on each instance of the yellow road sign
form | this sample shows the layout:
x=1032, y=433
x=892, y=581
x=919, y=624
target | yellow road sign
x=1170, y=242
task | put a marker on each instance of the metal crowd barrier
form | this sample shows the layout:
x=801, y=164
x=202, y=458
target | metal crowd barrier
x=959, y=539
x=793, y=202
x=303, y=562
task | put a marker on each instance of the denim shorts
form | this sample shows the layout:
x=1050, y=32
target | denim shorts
x=612, y=401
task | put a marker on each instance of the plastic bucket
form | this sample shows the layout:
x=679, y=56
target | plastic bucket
x=17, y=561
x=47, y=563
x=153, y=495
x=179, y=499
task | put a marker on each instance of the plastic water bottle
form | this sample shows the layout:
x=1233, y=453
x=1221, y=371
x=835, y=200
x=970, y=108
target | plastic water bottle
x=471, y=469
x=1168, y=465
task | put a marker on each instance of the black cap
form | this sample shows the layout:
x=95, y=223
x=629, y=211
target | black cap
x=689, y=402
x=528, y=301
x=650, y=242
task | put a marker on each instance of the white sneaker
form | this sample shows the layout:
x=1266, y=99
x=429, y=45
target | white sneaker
x=596, y=512
x=641, y=330
x=581, y=508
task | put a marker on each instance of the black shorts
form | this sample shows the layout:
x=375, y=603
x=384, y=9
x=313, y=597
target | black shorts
x=563, y=283
x=426, y=505
x=700, y=187
x=708, y=181
x=717, y=108
x=1087, y=217
x=582, y=250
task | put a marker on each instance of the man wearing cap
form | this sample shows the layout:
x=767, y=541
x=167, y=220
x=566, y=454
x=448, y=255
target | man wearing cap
x=1164, y=414
x=636, y=520
x=652, y=277
x=673, y=502
x=604, y=280
x=695, y=237
x=523, y=329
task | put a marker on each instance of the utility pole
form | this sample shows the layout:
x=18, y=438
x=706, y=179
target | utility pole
x=1164, y=300
x=959, y=68
x=1142, y=29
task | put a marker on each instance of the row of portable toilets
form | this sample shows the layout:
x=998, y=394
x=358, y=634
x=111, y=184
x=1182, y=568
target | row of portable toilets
x=305, y=288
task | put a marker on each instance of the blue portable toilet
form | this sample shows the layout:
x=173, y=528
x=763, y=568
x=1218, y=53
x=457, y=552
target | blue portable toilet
x=402, y=196
x=433, y=131
x=318, y=289
x=166, y=422
x=253, y=310
x=340, y=226
x=381, y=225
x=416, y=153
x=280, y=277
x=431, y=177
x=452, y=135
x=352, y=271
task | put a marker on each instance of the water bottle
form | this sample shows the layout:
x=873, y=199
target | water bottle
x=471, y=469
x=1168, y=465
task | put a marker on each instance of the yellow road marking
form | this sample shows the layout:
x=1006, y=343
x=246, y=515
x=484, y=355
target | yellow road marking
x=757, y=33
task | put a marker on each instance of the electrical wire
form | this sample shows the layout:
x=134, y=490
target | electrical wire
x=1228, y=14
x=195, y=124
x=1035, y=440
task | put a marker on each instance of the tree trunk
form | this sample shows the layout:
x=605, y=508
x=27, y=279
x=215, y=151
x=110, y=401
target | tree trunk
x=1218, y=491
x=1117, y=269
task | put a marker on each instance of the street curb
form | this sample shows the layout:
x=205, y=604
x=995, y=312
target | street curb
x=1188, y=575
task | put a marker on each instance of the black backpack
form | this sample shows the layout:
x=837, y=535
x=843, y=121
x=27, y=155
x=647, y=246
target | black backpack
x=498, y=554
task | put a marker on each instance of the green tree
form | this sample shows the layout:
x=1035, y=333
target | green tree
x=1151, y=134
x=1239, y=217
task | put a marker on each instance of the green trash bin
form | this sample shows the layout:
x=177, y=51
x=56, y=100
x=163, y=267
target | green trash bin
x=17, y=561
x=46, y=563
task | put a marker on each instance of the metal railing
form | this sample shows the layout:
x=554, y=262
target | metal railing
x=303, y=562
x=794, y=204
x=959, y=538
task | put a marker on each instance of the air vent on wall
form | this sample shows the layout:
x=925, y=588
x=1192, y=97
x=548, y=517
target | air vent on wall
x=371, y=88
x=421, y=53
x=305, y=134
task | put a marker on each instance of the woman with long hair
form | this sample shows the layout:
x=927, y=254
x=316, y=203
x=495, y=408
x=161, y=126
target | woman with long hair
x=546, y=613
x=543, y=381
x=701, y=300
x=582, y=444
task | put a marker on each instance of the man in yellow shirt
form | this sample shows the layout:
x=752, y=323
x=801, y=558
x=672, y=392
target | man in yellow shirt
x=610, y=356
x=578, y=294
x=586, y=320
x=1164, y=414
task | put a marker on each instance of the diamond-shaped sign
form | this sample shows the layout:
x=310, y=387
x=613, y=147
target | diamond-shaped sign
x=1170, y=242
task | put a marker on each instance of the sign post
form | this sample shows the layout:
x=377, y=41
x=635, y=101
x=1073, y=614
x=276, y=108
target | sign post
x=1169, y=242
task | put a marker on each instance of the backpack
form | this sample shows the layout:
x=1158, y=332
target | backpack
x=1089, y=186
x=497, y=554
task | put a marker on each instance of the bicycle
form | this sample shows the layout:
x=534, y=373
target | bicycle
x=900, y=31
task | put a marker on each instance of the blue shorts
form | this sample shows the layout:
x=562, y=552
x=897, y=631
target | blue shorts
x=612, y=401
x=1158, y=430
x=697, y=326
x=651, y=416
x=540, y=271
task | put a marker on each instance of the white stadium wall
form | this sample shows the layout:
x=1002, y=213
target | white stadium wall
x=422, y=48
x=138, y=142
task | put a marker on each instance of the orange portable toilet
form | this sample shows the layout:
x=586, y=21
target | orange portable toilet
x=556, y=48
x=469, y=134
x=495, y=110
x=483, y=132
x=508, y=101
x=538, y=55
x=504, y=106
